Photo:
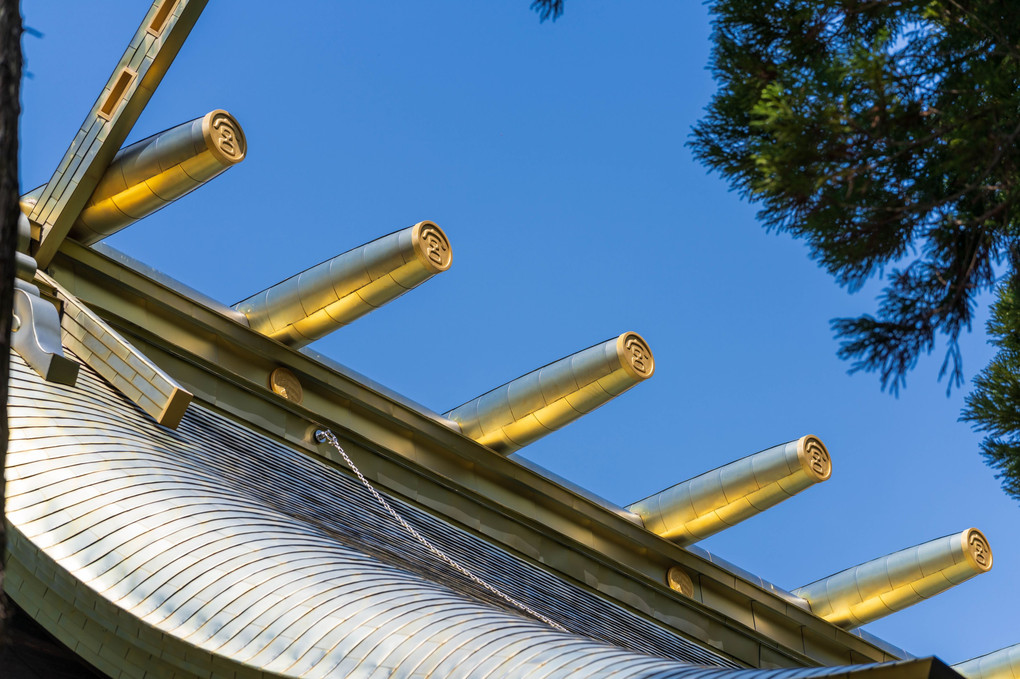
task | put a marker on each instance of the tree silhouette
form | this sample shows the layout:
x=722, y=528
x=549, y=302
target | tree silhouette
x=886, y=135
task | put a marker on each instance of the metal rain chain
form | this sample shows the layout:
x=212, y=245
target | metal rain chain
x=326, y=436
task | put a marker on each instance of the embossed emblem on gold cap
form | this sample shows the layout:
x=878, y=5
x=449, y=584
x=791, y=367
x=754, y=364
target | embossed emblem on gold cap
x=814, y=457
x=432, y=246
x=977, y=549
x=679, y=581
x=224, y=137
x=286, y=384
x=635, y=356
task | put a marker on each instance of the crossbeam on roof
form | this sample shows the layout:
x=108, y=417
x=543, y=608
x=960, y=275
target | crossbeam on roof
x=137, y=75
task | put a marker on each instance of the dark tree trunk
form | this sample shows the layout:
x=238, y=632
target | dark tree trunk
x=10, y=108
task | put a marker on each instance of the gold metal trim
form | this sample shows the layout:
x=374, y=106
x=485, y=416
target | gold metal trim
x=977, y=550
x=123, y=366
x=96, y=142
x=704, y=505
x=874, y=589
x=635, y=356
x=286, y=384
x=161, y=17
x=1001, y=664
x=152, y=173
x=223, y=137
x=149, y=552
x=117, y=93
x=814, y=458
x=431, y=246
x=522, y=411
x=333, y=293
x=679, y=581
x=215, y=356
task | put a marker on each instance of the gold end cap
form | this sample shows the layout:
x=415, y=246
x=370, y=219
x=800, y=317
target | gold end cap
x=814, y=458
x=286, y=384
x=431, y=246
x=679, y=581
x=224, y=137
x=977, y=549
x=175, y=408
x=635, y=356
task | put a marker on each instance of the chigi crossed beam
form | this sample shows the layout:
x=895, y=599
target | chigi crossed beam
x=137, y=75
x=153, y=552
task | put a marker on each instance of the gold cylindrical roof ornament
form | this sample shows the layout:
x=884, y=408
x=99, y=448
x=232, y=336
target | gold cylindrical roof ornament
x=154, y=172
x=872, y=590
x=697, y=508
x=520, y=412
x=329, y=295
x=1001, y=664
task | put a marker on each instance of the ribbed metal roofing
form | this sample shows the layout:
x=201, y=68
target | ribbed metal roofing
x=215, y=551
x=244, y=548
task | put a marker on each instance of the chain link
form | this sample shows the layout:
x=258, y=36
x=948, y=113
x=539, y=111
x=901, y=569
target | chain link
x=325, y=435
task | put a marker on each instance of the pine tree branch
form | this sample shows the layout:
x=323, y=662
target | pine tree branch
x=548, y=9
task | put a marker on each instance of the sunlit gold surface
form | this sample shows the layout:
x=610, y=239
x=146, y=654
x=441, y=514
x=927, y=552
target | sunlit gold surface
x=148, y=56
x=872, y=590
x=702, y=506
x=679, y=581
x=413, y=453
x=1001, y=664
x=214, y=551
x=520, y=412
x=154, y=172
x=330, y=295
x=286, y=384
x=126, y=368
x=218, y=551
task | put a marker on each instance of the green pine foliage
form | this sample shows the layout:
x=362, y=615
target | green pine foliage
x=885, y=134
x=548, y=9
x=994, y=405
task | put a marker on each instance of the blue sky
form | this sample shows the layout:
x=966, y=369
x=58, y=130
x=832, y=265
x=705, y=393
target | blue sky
x=553, y=155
